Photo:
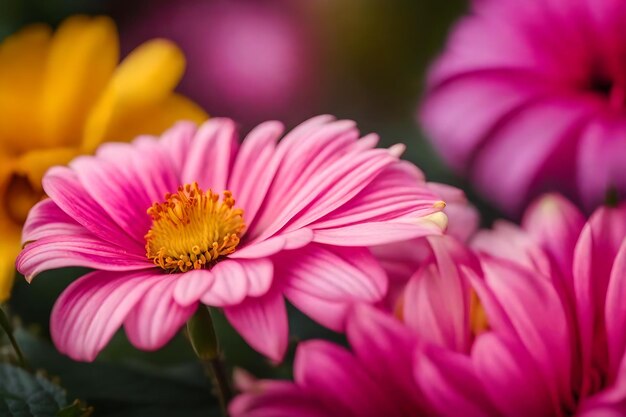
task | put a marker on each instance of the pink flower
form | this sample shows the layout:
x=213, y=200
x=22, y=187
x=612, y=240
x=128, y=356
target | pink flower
x=195, y=217
x=557, y=341
x=533, y=326
x=529, y=96
x=254, y=60
x=374, y=379
x=384, y=373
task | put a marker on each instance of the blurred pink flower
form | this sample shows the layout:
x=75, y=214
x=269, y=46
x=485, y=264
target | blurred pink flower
x=247, y=60
x=530, y=96
x=374, y=380
x=402, y=369
x=565, y=356
x=294, y=220
x=531, y=326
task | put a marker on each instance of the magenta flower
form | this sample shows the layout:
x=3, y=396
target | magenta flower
x=389, y=371
x=374, y=379
x=195, y=217
x=557, y=345
x=529, y=96
x=533, y=326
x=254, y=59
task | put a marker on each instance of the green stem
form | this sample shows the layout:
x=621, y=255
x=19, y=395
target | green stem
x=204, y=342
x=5, y=324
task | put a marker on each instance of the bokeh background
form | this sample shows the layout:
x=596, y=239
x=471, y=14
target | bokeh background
x=251, y=60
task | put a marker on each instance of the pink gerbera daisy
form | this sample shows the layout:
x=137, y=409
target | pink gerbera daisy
x=530, y=96
x=195, y=217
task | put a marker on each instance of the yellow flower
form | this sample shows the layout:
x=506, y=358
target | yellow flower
x=64, y=93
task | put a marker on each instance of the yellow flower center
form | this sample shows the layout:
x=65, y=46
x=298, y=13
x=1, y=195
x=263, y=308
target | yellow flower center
x=478, y=317
x=192, y=229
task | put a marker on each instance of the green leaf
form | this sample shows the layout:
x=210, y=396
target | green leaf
x=26, y=395
x=126, y=389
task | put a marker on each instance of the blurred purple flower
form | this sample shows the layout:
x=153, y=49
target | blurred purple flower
x=247, y=60
x=530, y=96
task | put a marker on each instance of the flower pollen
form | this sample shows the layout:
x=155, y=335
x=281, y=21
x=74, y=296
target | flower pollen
x=479, y=322
x=192, y=229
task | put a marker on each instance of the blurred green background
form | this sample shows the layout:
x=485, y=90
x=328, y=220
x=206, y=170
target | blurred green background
x=365, y=60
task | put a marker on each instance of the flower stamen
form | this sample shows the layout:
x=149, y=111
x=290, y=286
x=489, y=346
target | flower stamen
x=478, y=316
x=192, y=229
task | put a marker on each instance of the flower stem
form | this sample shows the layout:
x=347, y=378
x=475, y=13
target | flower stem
x=5, y=324
x=204, y=342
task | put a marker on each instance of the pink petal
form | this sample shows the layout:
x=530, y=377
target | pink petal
x=555, y=224
x=487, y=41
x=615, y=313
x=192, y=285
x=519, y=150
x=211, y=155
x=341, y=382
x=264, y=248
x=388, y=348
x=278, y=399
x=400, y=260
x=397, y=192
x=63, y=186
x=534, y=309
x=157, y=317
x=46, y=219
x=331, y=314
x=253, y=171
x=610, y=400
x=508, y=241
x=317, y=276
x=600, y=160
x=511, y=379
x=336, y=273
x=284, y=241
x=93, y=308
x=600, y=410
x=237, y=279
x=444, y=113
x=262, y=322
x=177, y=142
x=127, y=193
x=307, y=149
x=84, y=250
x=376, y=233
x=450, y=383
x=330, y=188
x=594, y=255
x=436, y=303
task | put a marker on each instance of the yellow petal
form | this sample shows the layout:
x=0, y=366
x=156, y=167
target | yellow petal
x=144, y=80
x=34, y=164
x=20, y=183
x=10, y=233
x=22, y=59
x=156, y=119
x=82, y=59
x=9, y=249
